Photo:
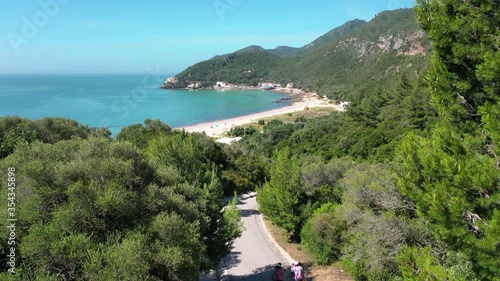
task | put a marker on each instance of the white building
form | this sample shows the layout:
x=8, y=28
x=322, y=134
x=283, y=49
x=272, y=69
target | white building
x=220, y=84
x=269, y=85
x=195, y=85
x=172, y=79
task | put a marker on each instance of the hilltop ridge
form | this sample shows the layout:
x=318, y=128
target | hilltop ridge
x=341, y=63
x=334, y=34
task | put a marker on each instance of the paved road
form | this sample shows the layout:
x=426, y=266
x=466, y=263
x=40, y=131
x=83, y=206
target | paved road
x=253, y=257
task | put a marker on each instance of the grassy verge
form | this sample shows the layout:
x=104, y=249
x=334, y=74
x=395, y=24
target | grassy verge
x=300, y=253
x=308, y=114
x=290, y=117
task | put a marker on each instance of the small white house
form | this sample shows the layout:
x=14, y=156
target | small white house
x=220, y=84
x=195, y=85
x=172, y=79
x=269, y=85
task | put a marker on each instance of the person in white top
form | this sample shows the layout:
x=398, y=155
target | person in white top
x=297, y=272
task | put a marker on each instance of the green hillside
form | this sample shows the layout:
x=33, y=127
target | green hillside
x=334, y=34
x=284, y=51
x=372, y=55
x=233, y=68
x=330, y=36
x=343, y=63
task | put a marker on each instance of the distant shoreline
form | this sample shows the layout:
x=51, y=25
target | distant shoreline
x=218, y=128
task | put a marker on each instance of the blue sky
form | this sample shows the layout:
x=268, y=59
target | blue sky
x=125, y=36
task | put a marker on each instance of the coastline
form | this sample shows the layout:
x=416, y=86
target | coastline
x=218, y=128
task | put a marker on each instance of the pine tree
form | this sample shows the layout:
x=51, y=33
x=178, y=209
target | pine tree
x=453, y=176
x=280, y=198
x=464, y=69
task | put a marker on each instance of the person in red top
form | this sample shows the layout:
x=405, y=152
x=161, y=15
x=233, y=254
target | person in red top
x=279, y=273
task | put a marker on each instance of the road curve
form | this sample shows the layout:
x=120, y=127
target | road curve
x=254, y=254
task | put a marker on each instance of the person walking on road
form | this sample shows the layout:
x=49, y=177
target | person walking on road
x=297, y=272
x=279, y=273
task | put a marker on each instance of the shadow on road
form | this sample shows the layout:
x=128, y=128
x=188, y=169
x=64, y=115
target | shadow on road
x=263, y=273
x=230, y=261
x=249, y=213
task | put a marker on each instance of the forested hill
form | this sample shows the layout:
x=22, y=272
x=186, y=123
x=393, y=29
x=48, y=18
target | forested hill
x=334, y=34
x=334, y=64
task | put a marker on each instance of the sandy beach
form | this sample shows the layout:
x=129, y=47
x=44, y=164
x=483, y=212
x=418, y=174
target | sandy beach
x=217, y=128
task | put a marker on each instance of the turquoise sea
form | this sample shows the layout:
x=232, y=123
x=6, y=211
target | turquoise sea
x=117, y=101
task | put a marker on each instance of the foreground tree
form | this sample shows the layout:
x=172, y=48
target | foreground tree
x=140, y=135
x=16, y=130
x=323, y=235
x=379, y=223
x=196, y=159
x=100, y=210
x=453, y=176
x=280, y=198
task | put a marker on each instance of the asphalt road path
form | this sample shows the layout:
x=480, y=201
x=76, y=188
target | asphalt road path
x=253, y=257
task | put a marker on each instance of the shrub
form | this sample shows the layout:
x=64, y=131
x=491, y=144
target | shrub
x=300, y=119
x=237, y=131
x=323, y=235
x=274, y=123
x=249, y=131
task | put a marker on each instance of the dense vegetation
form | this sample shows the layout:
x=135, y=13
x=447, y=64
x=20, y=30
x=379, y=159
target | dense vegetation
x=14, y=130
x=405, y=184
x=452, y=176
x=91, y=208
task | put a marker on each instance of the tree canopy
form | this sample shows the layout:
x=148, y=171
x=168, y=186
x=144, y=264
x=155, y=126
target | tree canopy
x=101, y=209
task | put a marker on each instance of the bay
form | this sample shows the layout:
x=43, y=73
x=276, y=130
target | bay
x=117, y=101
